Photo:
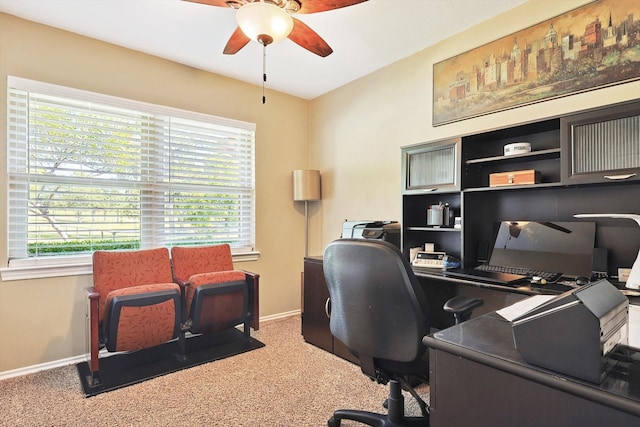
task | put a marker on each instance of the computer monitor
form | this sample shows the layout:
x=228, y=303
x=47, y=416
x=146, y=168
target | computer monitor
x=561, y=247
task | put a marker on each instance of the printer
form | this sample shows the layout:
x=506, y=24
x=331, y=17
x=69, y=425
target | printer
x=388, y=231
x=574, y=332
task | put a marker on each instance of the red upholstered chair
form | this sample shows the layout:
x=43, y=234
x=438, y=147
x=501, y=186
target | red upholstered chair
x=216, y=296
x=134, y=303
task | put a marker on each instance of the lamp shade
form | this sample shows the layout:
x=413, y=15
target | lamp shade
x=306, y=185
x=264, y=22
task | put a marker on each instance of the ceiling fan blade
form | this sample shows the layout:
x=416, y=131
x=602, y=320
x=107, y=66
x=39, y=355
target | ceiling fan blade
x=309, y=39
x=313, y=6
x=237, y=41
x=220, y=3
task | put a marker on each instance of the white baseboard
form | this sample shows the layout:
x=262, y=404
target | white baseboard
x=280, y=315
x=83, y=357
x=42, y=367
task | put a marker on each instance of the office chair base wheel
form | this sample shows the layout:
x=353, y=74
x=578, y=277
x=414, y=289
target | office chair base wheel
x=379, y=420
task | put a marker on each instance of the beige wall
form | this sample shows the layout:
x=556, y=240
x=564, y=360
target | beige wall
x=357, y=130
x=43, y=320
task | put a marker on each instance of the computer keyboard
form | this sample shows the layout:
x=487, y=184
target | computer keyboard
x=548, y=276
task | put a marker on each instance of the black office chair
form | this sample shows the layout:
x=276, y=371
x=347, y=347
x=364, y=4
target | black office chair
x=379, y=311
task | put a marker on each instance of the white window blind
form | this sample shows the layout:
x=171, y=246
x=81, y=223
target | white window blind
x=90, y=171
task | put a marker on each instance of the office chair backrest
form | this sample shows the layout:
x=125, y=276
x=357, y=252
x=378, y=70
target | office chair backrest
x=377, y=305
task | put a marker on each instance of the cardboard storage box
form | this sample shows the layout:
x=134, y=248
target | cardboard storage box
x=529, y=176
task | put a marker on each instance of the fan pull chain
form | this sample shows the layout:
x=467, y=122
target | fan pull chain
x=264, y=71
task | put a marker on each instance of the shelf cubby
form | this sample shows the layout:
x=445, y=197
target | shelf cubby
x=558, y=196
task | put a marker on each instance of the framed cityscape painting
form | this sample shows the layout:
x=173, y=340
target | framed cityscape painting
x=591, y=47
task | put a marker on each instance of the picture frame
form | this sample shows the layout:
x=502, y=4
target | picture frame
x=590, y=47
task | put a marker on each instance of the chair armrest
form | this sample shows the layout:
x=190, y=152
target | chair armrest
x=462, y=306
x=94, y=328
x=253, y=280
x=92, y=293
x=181, y=283
x=183, y=298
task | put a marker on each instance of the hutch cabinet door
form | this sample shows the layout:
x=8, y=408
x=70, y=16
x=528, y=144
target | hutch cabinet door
x=602, y=146
x=432, y=167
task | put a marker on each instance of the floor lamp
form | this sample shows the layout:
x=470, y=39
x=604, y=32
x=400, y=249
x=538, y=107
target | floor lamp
x=306, y=188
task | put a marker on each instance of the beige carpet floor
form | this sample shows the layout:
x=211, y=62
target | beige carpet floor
x=286, y=383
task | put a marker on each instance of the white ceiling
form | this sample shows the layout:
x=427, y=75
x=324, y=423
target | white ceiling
x=364, y=37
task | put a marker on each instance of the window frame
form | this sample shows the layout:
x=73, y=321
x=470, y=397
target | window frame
x=68, y=265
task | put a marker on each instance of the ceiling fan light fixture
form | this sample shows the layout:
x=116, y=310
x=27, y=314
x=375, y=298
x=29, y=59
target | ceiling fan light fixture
x=264, y=22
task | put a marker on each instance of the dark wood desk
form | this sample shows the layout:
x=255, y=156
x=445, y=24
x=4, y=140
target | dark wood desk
x=478, y=378
x=440, y=288
x=525, y=288
x=315, y=320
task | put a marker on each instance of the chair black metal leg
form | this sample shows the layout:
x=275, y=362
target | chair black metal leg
x=424, y=409
x=247, y=328
x=394, y=418
x=94, y=380
x=368, y=418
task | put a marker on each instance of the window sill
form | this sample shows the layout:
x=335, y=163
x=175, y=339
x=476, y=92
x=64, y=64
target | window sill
x=73, y=266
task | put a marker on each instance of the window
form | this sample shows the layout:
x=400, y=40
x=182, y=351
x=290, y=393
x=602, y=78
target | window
x=89, y=171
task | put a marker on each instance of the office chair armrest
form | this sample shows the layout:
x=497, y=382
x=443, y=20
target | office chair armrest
x=461, y=307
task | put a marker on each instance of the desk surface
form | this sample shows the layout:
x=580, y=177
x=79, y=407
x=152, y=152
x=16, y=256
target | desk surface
x=520, y=287
x=488, y=340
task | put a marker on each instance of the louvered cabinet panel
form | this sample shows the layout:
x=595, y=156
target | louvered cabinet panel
x=601, y=146
x=431, y=167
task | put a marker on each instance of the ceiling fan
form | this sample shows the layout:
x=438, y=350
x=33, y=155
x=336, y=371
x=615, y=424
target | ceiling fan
x=298, y=31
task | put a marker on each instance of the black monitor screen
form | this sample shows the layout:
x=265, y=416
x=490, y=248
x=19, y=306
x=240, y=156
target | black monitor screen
x=559, y=247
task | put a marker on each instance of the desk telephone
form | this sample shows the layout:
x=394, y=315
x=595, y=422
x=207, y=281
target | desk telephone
x=425, y=259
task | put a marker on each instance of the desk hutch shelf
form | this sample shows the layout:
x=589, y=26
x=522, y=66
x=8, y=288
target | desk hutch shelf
x=589, y=162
